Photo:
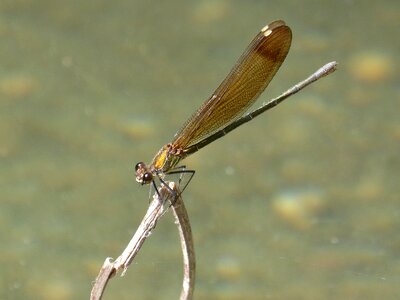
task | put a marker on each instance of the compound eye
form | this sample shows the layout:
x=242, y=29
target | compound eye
x=147, y=177
x=139, y=165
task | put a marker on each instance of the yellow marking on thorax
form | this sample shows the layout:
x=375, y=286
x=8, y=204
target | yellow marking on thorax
x=160, y=159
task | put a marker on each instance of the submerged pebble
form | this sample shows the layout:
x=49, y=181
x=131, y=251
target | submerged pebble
x=17, y=87
x=210, y=11
x=133, y=128
x=54, y=289
x=136, y=129
x=369, y=188
x=371, y=66
x=228, y=268
x=298, y=208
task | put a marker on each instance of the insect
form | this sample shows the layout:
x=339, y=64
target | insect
x=224, y=110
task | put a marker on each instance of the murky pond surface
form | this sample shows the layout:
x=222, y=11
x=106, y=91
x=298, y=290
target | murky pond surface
x=302, y=203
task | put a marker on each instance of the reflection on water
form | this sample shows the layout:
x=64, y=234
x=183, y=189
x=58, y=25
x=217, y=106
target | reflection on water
x=301, y=203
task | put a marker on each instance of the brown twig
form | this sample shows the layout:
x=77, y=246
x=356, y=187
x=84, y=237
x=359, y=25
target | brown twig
x=156, y=210
x=185, y=234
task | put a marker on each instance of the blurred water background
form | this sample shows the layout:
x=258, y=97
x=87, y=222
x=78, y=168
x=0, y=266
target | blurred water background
x=301, y=203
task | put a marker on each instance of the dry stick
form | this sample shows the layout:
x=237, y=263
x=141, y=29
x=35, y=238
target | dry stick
x=185, y=234
x=156, y=210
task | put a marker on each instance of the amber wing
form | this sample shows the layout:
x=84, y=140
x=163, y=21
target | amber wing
x=241, y=88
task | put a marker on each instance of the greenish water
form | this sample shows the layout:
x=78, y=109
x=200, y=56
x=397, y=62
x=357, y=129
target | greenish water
x=302, y=203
